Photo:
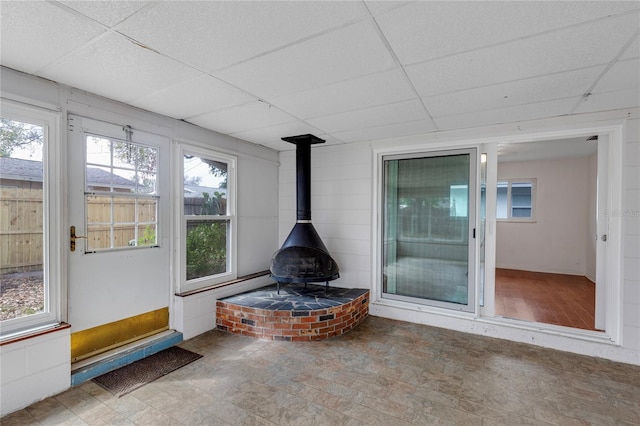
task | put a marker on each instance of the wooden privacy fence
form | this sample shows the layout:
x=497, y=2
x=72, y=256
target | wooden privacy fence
x=20, y=230
x=21, y=225
x=126, y=212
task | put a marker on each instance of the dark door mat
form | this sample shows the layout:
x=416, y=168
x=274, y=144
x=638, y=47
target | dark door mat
x=137, y=374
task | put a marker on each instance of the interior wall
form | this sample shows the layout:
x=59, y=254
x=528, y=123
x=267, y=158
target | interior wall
x=340, y=206
x=555, y=241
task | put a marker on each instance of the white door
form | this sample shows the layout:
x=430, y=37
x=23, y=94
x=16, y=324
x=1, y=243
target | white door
x=602, y=231
x=119, y=205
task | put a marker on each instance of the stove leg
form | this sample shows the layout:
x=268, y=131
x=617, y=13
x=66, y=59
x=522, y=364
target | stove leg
x=326, y=287
x=278, y=286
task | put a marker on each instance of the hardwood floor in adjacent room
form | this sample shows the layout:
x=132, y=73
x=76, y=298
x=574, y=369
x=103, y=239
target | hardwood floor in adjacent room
x=567, y=300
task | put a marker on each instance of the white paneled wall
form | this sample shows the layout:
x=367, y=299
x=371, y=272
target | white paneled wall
x=631, y=229
x=340, y=206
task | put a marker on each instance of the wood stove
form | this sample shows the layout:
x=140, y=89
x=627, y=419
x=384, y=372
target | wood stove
x=303, y=257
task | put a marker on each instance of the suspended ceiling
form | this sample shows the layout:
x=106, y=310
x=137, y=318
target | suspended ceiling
x=346, y=71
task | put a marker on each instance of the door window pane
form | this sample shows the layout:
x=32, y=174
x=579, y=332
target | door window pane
x=120, y=194
x=426, y=228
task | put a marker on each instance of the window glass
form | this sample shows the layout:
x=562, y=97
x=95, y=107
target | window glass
x=22, y=268
x=120, y=194
x=521, y=199
x=426, y=227
x=515, y=199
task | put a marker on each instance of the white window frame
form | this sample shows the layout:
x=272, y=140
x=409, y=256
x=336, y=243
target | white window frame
x=54, y=253
x=510, y=217
x=184, y=285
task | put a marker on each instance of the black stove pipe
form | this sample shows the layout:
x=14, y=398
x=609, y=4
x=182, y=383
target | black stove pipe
x=303, y=173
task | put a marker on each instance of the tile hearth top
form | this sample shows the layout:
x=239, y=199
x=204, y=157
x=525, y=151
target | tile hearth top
x=295, y=297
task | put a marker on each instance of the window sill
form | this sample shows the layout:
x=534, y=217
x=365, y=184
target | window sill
x=30, y=334
x=224, y=284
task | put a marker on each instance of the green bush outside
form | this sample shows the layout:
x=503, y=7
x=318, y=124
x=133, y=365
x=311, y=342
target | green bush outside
x=206, y=248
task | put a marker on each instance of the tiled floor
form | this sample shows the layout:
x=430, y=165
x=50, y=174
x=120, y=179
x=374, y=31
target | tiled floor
x=383, y=372
x=566, y=300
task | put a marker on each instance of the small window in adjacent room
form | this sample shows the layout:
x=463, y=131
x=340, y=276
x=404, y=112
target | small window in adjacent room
x=515, y=200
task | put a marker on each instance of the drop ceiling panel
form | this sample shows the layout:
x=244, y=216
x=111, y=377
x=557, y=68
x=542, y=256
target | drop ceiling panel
x=627, y=98
x=254, y=115
x=352, y=51
x=573, y=48
x=507, y=115
x=31, y=36
x=389, y=131
x=376, y=89
x=193, y=97
x=632, y=51
x=108, y=13
x=370, y=117
x=117, y=68
x=426, y=30
x=555, y=86
x=213, y=35
x=622, y=75
x=271, y=136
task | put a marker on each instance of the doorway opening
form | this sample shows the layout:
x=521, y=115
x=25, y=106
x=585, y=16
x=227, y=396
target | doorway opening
x=547, y=202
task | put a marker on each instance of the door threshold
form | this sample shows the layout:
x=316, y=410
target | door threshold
x=560, y=330
x=97, y=365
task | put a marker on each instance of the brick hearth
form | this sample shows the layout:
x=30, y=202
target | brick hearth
x=296, y=314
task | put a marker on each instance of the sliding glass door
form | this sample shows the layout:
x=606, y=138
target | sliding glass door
x=428, y=219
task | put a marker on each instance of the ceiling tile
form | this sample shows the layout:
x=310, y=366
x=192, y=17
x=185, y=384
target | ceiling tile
x=376, y=89
x=378, y=6
x=574, y=48
x=212, y=35
x=426, y=30
x=507, y=115
x=254, y=115
x=108, y=13
x=117, y=68
x=352, y=51
x=31, y=36
x=555, y=86
x=627, y=98
x=632, y=51
x=272, y=136
x=193, y=97
x=387, y=131
x=370, y=117
x=622, y=75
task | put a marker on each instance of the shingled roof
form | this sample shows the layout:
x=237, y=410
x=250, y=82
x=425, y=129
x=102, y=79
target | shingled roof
x=30, y=170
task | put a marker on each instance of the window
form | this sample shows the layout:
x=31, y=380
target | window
x=515, y=200
x=29, y=182
x=208, y=218
x=120, y=194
